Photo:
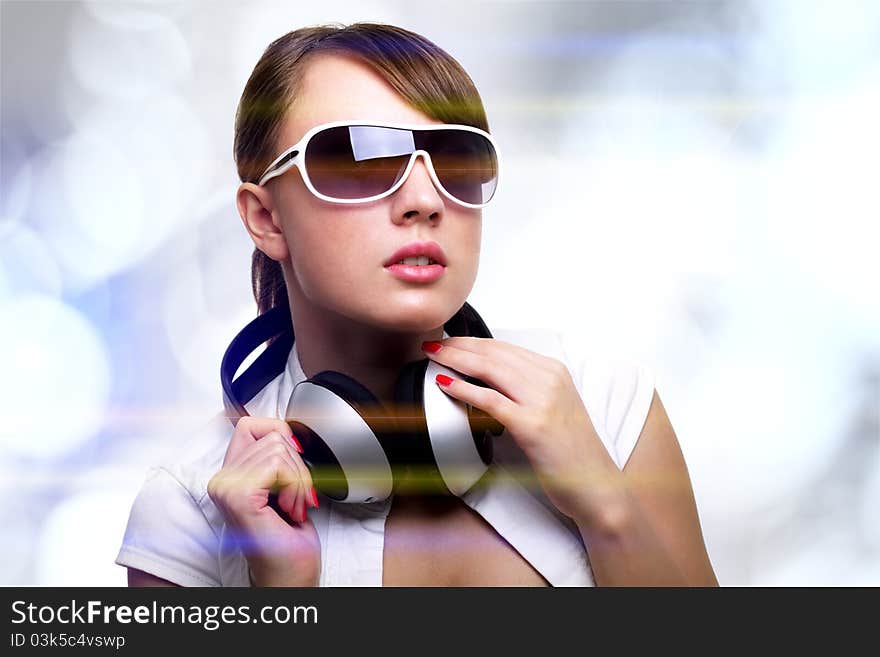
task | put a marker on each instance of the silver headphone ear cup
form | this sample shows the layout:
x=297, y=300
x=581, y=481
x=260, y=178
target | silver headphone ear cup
x=341, y=424
x=451, y=434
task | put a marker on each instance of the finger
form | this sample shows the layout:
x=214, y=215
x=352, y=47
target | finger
x=251, y=429
x=486, y=399
x=257, y=468
x=294, y=482
x=532, y=370
x=297, y=490
x=305, y=476
x=275, y=471
x=276, y=444
x=271, y=443
x=512, y=377
x=500, y=348
x=287, y=499
x=296, y=511
x=272, y=448
x=269, y=470
x=274, y=454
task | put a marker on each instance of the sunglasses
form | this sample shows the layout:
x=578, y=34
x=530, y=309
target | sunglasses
x=361, y=161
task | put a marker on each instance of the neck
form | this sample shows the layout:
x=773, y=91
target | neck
x=371, y=355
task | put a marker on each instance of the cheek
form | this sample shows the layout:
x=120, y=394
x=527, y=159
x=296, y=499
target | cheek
x=471, y=236
x=328, y=257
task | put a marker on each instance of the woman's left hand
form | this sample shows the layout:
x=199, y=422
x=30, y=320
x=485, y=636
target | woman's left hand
x=536, y=400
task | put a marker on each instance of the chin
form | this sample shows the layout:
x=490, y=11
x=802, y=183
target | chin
x=417, y=317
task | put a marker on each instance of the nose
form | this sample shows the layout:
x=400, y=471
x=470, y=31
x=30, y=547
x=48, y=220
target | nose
x=417, y=197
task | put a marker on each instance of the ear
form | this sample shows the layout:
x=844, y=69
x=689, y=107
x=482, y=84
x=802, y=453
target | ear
x=257, y=212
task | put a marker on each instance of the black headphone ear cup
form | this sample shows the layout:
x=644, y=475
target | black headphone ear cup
x=344, y=386
x=409, y=399
x=413, y=453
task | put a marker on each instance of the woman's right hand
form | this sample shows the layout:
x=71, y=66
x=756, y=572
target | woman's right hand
x=263, y=458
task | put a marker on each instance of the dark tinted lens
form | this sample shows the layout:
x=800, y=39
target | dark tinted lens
x=465, y=163
x=335, y=171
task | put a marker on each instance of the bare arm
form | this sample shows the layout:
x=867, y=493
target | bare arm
x=650, y=534
x=138, y=578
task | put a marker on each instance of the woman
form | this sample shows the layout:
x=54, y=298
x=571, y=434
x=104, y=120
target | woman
x=572, y=506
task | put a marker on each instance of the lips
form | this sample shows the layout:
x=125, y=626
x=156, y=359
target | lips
x=429, y=250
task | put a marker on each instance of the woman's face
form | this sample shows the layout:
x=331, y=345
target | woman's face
x=337, y=253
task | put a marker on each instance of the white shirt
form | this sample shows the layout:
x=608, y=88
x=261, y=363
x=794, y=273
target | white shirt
x=175, y=532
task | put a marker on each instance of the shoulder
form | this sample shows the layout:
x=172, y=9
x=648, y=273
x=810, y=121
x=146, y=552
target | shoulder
x=168, y=533
x=181, y=478
x=199, y=455
x=202, y=448
x=173, y=530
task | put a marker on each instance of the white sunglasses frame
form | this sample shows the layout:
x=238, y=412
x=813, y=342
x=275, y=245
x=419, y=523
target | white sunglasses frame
x=294, y=155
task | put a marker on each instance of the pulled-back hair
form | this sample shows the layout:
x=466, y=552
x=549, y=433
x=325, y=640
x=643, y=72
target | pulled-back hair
x=424, y=74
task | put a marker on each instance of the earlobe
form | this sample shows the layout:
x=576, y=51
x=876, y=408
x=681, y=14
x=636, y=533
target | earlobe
x=256, y=208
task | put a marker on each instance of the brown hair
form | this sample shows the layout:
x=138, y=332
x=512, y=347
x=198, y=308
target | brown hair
x=424, y=74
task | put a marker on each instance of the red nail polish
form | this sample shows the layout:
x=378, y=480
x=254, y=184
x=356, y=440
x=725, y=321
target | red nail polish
x=444, y=380
x=432, y=347
x=315, y=498
x=296, y=444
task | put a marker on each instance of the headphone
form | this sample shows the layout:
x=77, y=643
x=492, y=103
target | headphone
x=357, y=449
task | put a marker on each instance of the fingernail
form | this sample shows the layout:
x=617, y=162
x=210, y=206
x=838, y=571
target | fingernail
x=432, y=347
x=443, y=380
x=315, y=498
x=296, y=444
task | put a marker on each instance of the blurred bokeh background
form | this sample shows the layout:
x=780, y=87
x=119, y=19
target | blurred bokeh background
x=691, y=184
